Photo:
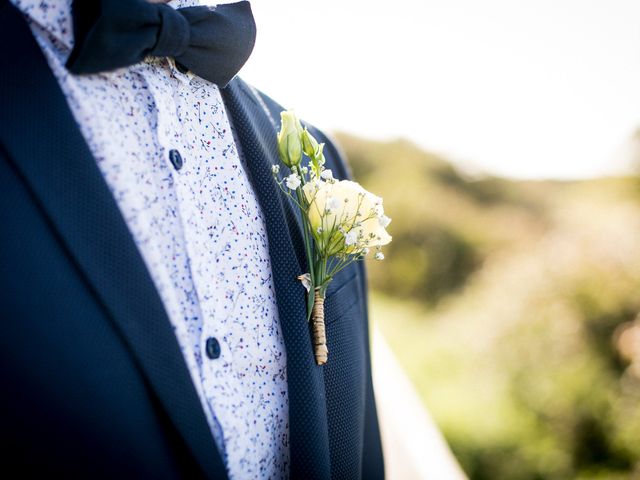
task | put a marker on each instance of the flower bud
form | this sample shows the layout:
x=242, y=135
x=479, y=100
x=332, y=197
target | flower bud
x=289, y=142
x=309, y=144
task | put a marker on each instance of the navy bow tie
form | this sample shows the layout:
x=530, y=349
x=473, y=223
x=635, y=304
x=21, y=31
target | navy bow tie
x=213, y=43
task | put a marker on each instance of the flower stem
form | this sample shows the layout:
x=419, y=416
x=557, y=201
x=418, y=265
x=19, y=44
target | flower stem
x=306, y=229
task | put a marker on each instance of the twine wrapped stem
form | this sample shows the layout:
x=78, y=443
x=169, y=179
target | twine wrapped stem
x=320, y=349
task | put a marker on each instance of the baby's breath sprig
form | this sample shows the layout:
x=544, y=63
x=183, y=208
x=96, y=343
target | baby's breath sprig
x=342, y=222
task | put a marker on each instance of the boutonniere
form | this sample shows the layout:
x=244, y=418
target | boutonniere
x=342, y=222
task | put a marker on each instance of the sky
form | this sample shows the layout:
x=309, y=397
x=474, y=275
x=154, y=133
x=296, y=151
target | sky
x=521, y=88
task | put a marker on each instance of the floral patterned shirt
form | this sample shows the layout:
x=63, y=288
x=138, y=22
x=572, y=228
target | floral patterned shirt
x=164, y=144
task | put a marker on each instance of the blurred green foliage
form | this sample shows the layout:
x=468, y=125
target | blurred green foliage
x=514, y=307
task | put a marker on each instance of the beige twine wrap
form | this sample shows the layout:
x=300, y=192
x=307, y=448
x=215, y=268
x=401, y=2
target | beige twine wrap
x=320, y=349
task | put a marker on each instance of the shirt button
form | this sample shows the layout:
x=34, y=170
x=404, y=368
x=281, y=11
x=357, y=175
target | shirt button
x=212, y=348
x=176, y=159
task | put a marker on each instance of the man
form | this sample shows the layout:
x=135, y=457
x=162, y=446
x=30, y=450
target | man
x=152, y=322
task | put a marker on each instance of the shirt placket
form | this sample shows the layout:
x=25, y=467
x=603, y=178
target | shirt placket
x=180, y=155
x=219, y=383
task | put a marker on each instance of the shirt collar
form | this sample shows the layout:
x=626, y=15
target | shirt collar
x=54, y=16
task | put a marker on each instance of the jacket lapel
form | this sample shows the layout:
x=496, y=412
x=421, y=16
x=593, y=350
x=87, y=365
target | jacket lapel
x=309, y=441
x=41, y=137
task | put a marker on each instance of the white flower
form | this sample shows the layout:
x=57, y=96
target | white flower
x=379, y=256
x=327, y=174
x=384, y=221
x=351, y=237
x=275, y=169
x=356, y=214
x=310, y=188
x=292, y=181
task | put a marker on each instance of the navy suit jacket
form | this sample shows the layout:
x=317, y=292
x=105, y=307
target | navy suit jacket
x=93, y=381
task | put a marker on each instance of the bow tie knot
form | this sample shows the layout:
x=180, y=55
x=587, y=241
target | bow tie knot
x=213, y=43
x=174, y=33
